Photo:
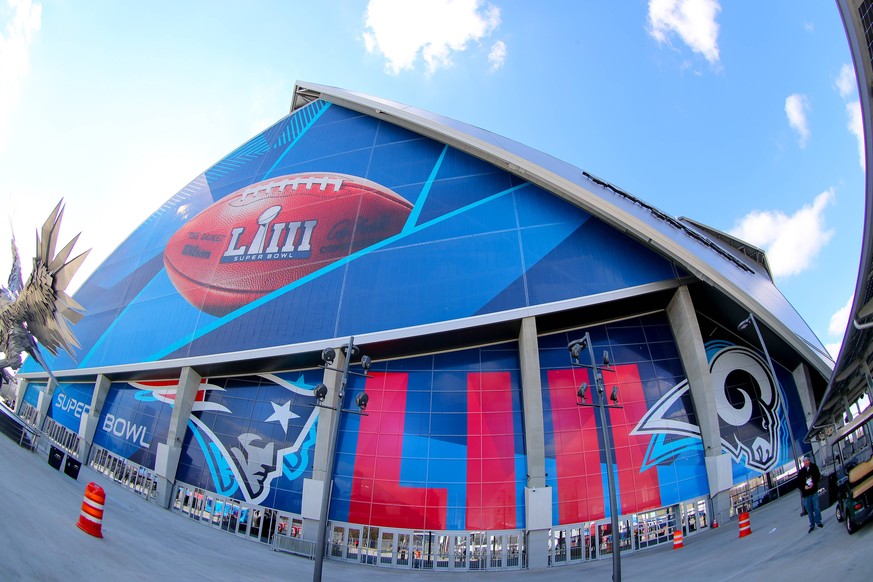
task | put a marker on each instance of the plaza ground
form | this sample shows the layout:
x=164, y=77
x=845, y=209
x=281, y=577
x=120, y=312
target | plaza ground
x=39, y=540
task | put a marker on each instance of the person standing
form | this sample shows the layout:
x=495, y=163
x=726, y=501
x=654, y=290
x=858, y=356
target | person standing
x=808, y=478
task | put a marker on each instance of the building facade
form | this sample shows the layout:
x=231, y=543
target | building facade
x=463, y=265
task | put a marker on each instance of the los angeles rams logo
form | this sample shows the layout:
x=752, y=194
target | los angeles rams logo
x=747, y=403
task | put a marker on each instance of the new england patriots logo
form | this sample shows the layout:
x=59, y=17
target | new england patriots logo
x=251, y=430
x=748, y=406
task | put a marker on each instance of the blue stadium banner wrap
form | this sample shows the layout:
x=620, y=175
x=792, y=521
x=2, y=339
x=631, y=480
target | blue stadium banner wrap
x=332, y=223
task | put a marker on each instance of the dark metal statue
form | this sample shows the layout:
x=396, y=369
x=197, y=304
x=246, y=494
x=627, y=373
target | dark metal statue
x=41, y=311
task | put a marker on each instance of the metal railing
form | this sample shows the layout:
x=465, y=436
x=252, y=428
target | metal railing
x=139, y=479
x=17, y=428
x=296, y=546
x=62, y=436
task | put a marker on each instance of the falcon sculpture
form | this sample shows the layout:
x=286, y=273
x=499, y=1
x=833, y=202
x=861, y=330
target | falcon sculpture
x=40, y=312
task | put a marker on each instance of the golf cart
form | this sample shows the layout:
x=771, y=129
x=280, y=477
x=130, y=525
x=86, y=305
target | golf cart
x=853, y=456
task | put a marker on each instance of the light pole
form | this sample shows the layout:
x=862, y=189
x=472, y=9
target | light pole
x=740, y=327
x=328, y=355
x=575, y=349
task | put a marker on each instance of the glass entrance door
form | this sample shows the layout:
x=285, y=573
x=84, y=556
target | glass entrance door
x=230, y=515
x=353, y=543
x=370, y=545
x=443, y=552
x=605, y=539
x=245, y=513
x=478, y=550
x=403, y=550
x=422, y=550
x=387, y=554
x=695, y=516
x=460, y=551
x=571, y=545
x=514, y=550
x=496, y=551
x=337, y=543
x=558, y=546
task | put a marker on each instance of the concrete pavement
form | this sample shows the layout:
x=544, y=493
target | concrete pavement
x=39, y=540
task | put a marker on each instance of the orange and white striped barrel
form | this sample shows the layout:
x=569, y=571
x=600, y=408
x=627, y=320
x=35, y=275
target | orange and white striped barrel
x=677, y=539
x=745, y=524
x=91, y=516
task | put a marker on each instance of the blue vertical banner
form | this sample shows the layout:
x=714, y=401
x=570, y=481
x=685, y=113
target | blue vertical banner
x=69, y=402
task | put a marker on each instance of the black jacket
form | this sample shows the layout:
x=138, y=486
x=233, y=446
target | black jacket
x=807, y=479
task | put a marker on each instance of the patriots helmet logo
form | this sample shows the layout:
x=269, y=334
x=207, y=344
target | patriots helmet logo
x=277, y=440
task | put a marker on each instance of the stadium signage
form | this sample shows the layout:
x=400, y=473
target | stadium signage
x=71, y=405
x=126, y=429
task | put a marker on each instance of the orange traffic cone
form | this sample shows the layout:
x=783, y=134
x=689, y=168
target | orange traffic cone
x=745, y=525
x=91, y=516
x=677, y=539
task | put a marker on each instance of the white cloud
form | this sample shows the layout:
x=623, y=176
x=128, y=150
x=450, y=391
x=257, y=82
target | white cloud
x=846, y=83
x=432, y=29
x=796, y=108
x=497, y=56
x=23, y=22
x=840, y=319
x=834, y=349
x=791, y=242
x=693, y=20
x=856, y=127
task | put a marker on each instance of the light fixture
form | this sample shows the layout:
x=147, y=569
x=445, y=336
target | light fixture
x=340, y=383
x=583, y=390
x=576, y=348
x=354, y=350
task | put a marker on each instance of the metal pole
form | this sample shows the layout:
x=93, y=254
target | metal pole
x=610, y=477
x=328, y=471
x=778, y=387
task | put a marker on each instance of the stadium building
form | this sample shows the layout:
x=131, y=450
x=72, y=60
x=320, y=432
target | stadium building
x=462, y=265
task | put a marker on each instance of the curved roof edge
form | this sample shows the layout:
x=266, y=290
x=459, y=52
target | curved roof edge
x=852, y=375
x=751, y=285
x=751, y=251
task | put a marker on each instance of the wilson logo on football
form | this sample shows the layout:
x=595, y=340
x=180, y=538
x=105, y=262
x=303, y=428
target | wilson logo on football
x=269, y=234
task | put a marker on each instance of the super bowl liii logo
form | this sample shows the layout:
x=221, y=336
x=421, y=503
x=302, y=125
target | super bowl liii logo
x=295, y=238
x=296, y=243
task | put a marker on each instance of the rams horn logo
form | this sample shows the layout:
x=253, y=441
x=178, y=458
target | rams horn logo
x=747, y=403
x=747, y=400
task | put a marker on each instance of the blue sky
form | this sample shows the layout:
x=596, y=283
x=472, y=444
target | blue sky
x=741, y=115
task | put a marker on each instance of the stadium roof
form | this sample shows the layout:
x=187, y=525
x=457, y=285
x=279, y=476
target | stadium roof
x=851, y=377
x=732, y=266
